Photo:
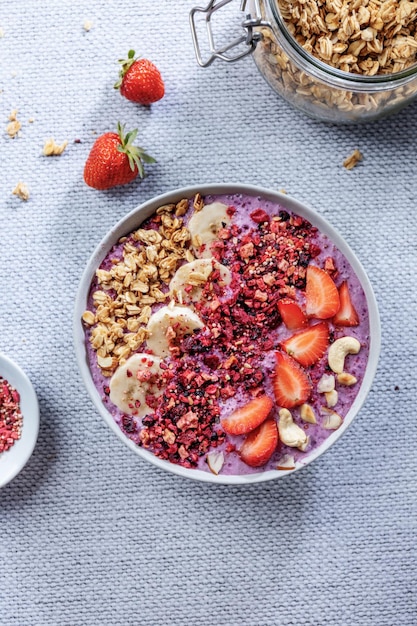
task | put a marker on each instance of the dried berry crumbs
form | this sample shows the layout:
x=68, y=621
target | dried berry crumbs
x=268, y=262
x=10, y=416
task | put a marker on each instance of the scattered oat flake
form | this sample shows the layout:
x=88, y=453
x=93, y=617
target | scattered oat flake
x=53, y=149
x=284, y=191
x=352, y=160
x=31, y=120
x=21, y=191
x=87, y=25
x=1, y=33
x=13, y=128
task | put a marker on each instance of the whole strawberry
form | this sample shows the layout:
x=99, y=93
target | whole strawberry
x=113, y=160
x=140, y=80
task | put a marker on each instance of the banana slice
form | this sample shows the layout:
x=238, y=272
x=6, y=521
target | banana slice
x=188, y=281
x=205, y=225
x=169, y=323
x=133, y=381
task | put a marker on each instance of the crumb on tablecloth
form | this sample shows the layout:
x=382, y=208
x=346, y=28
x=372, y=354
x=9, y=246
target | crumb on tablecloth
x=51, y=148
x=21, y=190
x=352, y=160
x=14, y=126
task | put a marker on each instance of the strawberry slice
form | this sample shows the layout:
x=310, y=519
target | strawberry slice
x=260, y=444
x=248, y=417
x=347, y=314
x=292, y=314
x=322, y=297
x=308, y=346
x=290, y=382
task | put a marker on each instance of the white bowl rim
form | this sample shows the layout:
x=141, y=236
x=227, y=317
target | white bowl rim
x=133, y=220
x=14, y=460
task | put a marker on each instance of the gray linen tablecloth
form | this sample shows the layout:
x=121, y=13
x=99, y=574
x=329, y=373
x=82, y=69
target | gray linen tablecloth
x=90, y=533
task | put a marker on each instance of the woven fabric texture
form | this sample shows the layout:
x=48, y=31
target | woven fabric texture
x=91, y=534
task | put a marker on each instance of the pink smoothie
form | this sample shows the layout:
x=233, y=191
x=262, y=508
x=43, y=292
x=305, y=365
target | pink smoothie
x=261, y=338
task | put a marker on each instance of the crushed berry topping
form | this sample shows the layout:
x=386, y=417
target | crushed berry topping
x=207, y=368
x=10, y=416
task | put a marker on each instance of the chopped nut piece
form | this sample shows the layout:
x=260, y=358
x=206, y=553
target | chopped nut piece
x=21, y=191
x=346, y=379
x=215, y=461
x=53, y=149
x=331, y=398
x=307, y=414
x=87, y=25
x=286, y=462
x=13, y=116
x=352, y=160
x=326, y=383
x=332, y=420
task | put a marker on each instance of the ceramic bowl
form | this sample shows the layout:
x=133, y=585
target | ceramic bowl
x=131, y=222
x=13, y=460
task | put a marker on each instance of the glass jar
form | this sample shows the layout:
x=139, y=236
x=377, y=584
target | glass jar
x=312, y=86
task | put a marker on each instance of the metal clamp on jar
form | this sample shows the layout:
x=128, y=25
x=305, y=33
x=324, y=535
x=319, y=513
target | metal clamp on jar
x=301, y=76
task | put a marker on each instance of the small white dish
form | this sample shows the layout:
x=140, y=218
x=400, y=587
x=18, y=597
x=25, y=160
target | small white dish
x=13, y=460
x=132, y=221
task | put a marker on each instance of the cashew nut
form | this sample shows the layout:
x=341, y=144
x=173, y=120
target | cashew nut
x=338, y=351
x=289, y=433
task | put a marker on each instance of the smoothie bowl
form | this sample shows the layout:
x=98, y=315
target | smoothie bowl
x=226, y=333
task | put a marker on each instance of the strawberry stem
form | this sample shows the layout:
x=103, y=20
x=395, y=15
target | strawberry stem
x=136, y=155
x=125, y=64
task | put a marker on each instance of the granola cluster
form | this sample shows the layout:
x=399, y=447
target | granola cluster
x=126, y=290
